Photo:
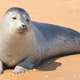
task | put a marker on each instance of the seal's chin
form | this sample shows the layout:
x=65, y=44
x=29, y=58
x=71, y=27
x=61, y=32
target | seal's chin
x=22, y=30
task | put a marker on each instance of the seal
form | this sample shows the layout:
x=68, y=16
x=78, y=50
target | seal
x=25, y=43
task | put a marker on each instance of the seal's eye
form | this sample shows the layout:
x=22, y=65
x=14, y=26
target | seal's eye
x=27, y=20
x=14, y=18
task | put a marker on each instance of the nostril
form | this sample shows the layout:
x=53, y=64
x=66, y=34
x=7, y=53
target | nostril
x=24, y=26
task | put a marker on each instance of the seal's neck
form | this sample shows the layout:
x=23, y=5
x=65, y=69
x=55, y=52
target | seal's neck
x=6, y=36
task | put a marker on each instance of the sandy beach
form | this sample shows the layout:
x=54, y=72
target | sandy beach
x=60, y=12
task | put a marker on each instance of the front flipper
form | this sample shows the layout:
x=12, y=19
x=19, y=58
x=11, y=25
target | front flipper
x=28, y=63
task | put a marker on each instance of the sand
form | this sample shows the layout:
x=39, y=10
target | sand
x=61, y=12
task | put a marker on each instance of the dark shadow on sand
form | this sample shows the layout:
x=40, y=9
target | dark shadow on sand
x=51, y=64
x=48, y=65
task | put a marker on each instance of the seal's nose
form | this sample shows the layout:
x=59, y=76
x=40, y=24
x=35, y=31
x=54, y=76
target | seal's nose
x=24, y=26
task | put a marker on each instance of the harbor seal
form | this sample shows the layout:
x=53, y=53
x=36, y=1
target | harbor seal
x=25, y=43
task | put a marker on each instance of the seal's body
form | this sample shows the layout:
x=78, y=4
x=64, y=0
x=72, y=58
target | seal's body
x=24, y=43
x=54, y=40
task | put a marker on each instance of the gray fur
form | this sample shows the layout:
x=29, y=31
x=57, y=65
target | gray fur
x=27, y=49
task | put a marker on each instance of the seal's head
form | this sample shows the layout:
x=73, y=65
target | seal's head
x=16, y=20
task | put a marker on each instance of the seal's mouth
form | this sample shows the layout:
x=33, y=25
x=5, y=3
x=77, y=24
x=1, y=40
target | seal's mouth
x=22, y=29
